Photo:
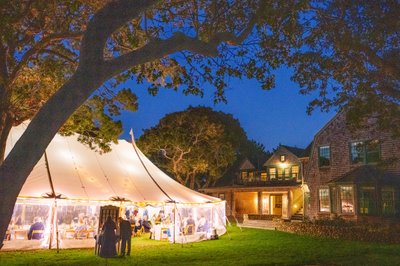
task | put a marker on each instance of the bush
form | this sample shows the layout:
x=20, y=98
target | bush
x=347, y=230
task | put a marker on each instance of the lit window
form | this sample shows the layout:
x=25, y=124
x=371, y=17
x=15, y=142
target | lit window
x=283, y=158
x=357, y=152
x=251, y=176
x=324, y=203
x=263, y=176
x=346, y=199
x=365, y=152
x=366, y=201
x=324, y=158
x=272, y=173
x=295, y=171
x=244, y=175
x=286, y=173
x=388, y=202
x=280, y=173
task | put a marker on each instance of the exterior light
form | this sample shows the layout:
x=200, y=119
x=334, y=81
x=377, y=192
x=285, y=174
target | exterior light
x=283, y=165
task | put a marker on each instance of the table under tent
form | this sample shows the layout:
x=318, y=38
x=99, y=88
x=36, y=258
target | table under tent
x=70, y=183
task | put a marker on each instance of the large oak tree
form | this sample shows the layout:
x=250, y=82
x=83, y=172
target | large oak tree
x=196, y=145
x=345, y=50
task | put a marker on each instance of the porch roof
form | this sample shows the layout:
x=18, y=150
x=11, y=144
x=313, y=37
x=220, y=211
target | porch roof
x=368, y=174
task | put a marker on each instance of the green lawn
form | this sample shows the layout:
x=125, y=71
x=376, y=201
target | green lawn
x=249, y=247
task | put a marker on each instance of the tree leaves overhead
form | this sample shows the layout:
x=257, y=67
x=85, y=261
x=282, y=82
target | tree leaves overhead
x=349, y=56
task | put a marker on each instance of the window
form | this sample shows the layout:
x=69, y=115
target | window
x=251, y=176
x=324, y=203
x=263, y=176
x=244, y=175
x=324, y=157
x=346, y=199
x=365, y=151
x=280, y=173
x=372, y=149
x=283, y=158
x=366, y=200
x=272, y=173
x=388, y=202
x=295, y=171
x=286, y=173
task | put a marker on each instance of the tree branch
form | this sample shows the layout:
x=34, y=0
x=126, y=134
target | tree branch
x=106, y=21
x=39, y=46
x=160, y=48
x=56, y=53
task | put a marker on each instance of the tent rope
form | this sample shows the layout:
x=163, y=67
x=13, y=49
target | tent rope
x=76, y=169
x=105, y=175
x=147, y=170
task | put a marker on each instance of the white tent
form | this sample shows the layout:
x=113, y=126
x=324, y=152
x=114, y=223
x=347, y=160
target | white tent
x=123, y=177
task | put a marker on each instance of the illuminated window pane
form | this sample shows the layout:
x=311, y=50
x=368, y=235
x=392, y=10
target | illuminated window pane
x=263, y=176
x=346, y=198
x=324, y=203
x=244, y=175
x=280, y=173
x=295, y=171
x=272, y=173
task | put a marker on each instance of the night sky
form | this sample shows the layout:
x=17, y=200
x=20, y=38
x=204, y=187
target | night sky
x=270, y=117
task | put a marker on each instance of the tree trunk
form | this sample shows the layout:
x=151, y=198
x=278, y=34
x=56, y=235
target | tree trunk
x=32, y=144
x=192, y=180
x=5, y=128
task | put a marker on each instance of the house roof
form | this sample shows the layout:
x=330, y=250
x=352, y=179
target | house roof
x=307, y=150
x=296, y=151
x=367, y=174
x=246, y=165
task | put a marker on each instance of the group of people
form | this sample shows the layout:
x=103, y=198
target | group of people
x=109, y=238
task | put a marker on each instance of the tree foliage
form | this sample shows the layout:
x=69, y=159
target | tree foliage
x=196, y=145
x=346, y=51
x=39, y=52
x=349, y=56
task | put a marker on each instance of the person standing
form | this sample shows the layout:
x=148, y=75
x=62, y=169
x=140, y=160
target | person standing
x=126, y=234
x=108, y=239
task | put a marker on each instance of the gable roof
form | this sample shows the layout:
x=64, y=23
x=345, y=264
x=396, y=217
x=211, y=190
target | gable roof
x=246, y=165
x=295, y=150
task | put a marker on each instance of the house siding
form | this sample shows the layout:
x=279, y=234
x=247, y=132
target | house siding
x=338, y=136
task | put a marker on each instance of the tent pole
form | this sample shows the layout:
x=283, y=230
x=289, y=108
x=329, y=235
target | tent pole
x=53, y=194
x=56, y=226
x=175, y=211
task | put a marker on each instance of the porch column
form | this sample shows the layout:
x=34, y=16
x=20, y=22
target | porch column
x=259, y=198
x=233, y=205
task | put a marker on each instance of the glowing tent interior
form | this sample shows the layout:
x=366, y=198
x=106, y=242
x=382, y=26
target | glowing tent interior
x=70, y=182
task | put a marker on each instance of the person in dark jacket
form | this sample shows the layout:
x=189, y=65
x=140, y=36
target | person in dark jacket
x=108, y=239
x=36, y=229
x=126, y=234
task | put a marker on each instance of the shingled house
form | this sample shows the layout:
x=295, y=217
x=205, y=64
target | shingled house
x=271, y=189
x=353, y=174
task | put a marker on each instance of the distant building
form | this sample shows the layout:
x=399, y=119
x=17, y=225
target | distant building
x=274, y=189
x=354, y=175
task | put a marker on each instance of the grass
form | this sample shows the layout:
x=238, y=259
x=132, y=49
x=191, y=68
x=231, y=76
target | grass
x=247, y=247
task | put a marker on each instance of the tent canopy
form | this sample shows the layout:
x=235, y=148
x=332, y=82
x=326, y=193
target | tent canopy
x=79, y=173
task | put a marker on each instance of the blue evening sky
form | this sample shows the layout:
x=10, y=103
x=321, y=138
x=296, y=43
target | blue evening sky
x=270, y=117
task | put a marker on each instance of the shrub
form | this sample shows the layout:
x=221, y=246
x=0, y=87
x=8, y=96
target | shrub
x=347, y=230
